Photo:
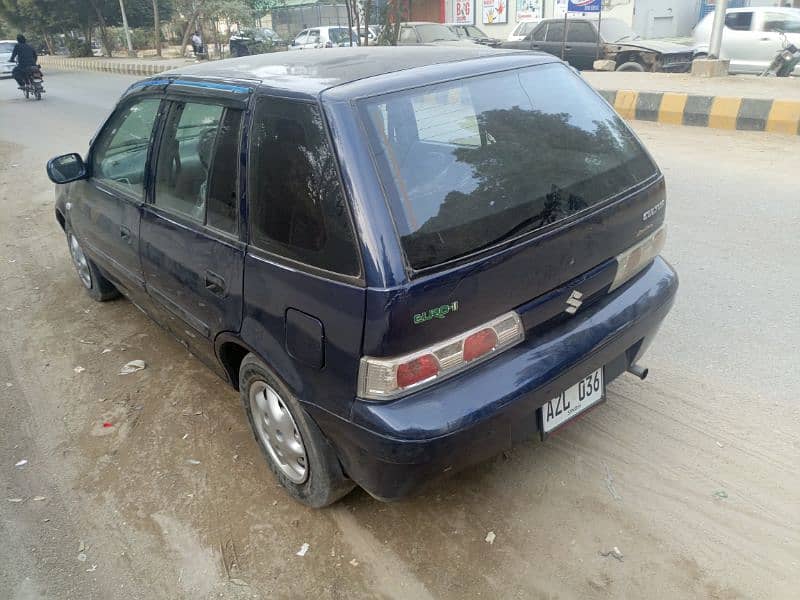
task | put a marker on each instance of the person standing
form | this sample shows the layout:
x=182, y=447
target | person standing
x=197, y=44
x=26, y=57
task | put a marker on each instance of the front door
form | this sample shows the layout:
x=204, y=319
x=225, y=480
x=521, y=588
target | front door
x=105, y=214
x=191, y=253
x=553, y=42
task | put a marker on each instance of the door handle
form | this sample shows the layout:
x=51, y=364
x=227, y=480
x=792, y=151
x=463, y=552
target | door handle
x=125, y=233
x=215, y=284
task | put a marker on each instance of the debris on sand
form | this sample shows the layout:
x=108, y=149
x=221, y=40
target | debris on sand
x=21, y=463
x=490, y=537
x=82, y=556
x=303, y=549
x=192, y=461
x=106, y=424
x=614, y=553
x=238, y=582
x=720, y=494
x=132, y=367
x=610, y=484
x=79, y=369
x=92, y=570
x=354, y=562
x=38, y=498
x=14, y=500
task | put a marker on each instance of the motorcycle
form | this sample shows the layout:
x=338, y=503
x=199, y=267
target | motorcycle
x=785, y=60
x=33, y=83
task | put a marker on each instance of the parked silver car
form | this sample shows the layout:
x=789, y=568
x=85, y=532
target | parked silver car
x=6, y=48
x=752, y=36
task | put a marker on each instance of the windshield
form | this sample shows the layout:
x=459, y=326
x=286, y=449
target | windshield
x=473, y=163
x=475, y=32
x=614, y=30
x=782, y=21
x=6, y=47
x=435, y=33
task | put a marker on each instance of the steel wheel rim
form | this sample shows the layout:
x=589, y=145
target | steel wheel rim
x=80, y=262
x=278, y=432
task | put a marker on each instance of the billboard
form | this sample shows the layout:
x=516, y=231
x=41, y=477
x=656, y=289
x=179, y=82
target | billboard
x=463, y=13
x=583, y=6
x=529, y=9
x=494, y=11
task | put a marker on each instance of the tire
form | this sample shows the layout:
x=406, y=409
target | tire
x=96, y=285
x=321, y=482
x=631, y=66
x=37, y=94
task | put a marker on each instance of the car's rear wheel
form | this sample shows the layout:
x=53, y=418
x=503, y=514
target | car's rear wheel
x=297, y=452
x=97, y=286
x=631, y=66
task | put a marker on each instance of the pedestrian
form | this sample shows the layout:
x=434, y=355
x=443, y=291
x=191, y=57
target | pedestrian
x=197, y=44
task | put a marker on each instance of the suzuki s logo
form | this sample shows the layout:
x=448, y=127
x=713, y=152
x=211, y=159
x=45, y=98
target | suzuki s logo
x=574, y=302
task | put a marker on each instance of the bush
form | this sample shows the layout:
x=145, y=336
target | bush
x=78, y=48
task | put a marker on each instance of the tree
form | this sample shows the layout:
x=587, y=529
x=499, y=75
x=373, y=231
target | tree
x=156, y=28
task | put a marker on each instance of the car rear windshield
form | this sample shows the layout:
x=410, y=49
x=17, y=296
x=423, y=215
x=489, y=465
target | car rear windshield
x=470, y=164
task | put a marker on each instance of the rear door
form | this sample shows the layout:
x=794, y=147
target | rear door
x=191, y=251
x=304, y=291
x=581, y=50
x=105, y=212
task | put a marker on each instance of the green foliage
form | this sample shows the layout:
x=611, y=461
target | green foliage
x=78, y=48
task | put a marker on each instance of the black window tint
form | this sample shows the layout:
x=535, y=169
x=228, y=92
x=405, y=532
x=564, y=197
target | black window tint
x=538, y=35
x=581, y=33
x=739, y=20
x=471, y=163
x=297, y=208
x=184, y=158
x=555, y=32
x=222, y=190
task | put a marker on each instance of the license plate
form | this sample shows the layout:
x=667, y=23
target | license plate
x=573, y=401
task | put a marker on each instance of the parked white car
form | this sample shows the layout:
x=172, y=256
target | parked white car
x=323, y=37
x=752, y=36
x=6, y=48
x=522, y=29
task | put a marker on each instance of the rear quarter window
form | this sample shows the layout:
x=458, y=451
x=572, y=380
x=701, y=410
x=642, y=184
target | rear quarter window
x=484, y=160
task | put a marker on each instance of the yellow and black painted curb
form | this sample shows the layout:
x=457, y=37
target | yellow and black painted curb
x=719, y=112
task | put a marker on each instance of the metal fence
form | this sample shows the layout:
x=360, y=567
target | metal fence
x=289, y=21
x=707, y=6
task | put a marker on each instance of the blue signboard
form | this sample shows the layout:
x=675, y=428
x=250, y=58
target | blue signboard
x=584, y=6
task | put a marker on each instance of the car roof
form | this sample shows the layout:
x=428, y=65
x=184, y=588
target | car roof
x=311, y=71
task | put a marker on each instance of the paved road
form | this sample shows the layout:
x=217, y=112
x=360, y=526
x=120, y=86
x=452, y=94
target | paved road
x=692, y=474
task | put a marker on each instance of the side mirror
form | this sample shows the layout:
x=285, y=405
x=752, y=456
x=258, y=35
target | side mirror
x=66, y=168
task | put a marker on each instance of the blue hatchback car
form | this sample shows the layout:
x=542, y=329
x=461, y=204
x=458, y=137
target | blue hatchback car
x=405, y=259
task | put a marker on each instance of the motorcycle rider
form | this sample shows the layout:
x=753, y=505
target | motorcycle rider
x=26, y=58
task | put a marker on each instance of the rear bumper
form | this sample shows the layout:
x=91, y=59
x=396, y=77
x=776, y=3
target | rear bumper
x=391, y=449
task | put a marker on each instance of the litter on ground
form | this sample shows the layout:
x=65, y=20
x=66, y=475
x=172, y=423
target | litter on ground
x=132, y=367
x=490, y=537
x=303, y=549
x=22, y=463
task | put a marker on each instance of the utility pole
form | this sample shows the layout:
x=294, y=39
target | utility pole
x=719, y=25
x=125, y=26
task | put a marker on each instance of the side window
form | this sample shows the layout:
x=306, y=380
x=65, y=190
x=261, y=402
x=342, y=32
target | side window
x=581, y=33
x=555, y=32
x=408, y=36
x=538, y=35
x=297, y=208
x=120, y=154
x=222, y=211
x=781, y=22
x=313, y=37
x=301, y=38
x=740, y=21
x=184, y=158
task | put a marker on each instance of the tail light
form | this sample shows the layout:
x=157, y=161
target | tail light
x=388, y=378
x=637, y=257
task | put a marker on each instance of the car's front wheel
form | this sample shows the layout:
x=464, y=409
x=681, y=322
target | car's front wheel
x=631, y=66
x=299, y=455
x=97, y=286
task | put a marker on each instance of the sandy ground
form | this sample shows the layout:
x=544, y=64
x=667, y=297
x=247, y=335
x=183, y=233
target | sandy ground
x=693, y=474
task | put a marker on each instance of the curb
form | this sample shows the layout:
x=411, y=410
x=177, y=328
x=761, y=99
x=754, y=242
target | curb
x=105, y=65
x=717, y=112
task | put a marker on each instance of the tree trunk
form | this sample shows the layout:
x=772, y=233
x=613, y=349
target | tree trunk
x=101, y=24
x=157, y=27
x=48, y=41
x=367, y=10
